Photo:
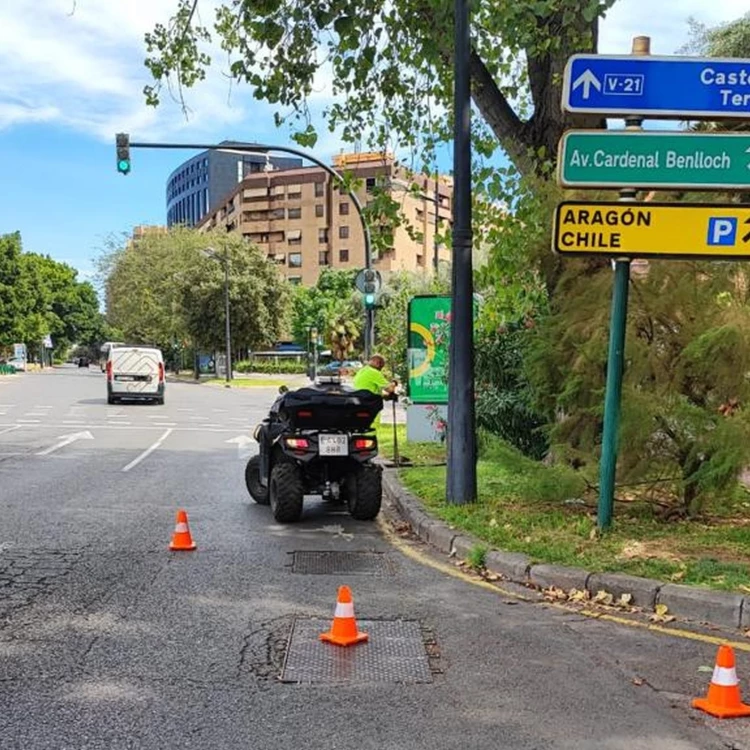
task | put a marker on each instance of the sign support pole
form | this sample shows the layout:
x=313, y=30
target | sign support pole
x=616, y=355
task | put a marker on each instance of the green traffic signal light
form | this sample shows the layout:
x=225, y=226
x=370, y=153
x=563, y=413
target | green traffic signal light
x=122, y=143
x=369, y=300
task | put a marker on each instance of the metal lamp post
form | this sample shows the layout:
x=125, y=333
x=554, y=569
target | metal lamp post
x=209, y=252
x=461, y=475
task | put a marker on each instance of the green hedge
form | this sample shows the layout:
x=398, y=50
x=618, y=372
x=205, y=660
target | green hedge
x=272, y=367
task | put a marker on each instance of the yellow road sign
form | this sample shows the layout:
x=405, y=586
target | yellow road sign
x=681, y=230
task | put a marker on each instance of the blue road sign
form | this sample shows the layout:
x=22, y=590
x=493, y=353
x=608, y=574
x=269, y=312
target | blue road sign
x=661, y=87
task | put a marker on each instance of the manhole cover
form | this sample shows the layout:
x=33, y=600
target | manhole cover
x=395, y=652
x=339, y=563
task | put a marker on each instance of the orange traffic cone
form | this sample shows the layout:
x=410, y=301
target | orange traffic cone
x=723, y=698
x=344, y=632
x=181, y=539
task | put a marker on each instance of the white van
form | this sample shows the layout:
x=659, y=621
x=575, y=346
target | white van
x=135, y=372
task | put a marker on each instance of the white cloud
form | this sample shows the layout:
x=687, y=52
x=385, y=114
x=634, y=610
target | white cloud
x=665, y=22
x=79, y=63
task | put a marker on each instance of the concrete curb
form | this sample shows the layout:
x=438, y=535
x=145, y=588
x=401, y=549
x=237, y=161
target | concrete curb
x=686, y=602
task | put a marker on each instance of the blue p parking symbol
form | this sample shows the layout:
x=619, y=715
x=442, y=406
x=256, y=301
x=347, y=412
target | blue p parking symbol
x=722, y=231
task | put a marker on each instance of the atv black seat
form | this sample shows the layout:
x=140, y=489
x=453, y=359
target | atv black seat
x=314, y=409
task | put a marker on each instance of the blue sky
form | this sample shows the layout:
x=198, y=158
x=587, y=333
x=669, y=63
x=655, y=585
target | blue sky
x=73, y=75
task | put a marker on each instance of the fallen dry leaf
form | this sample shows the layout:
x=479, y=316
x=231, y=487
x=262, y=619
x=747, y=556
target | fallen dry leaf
x=575, y=595
x=603, y=597
x=624, y=600
x=660, y=614
x=638, y=681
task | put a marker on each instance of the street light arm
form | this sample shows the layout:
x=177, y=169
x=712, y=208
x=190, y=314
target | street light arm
x=263, y=148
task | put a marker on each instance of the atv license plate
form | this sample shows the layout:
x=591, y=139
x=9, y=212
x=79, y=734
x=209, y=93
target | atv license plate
x=333, y=445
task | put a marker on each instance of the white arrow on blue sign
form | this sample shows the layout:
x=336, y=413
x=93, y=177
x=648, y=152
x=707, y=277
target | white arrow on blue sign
x=661, y=87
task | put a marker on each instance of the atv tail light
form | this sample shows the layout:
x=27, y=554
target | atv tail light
x=304, y=413
x=364, y=444
x=297, y=443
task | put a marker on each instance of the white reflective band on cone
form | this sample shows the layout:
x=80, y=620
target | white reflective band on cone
x=181, y=528
x=344, y=609
x=725, y=676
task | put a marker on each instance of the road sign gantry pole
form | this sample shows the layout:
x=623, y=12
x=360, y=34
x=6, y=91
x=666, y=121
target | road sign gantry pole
x=616, y=358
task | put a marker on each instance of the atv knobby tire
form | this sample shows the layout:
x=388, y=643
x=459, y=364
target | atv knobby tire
x=286, y=492
x=365, y=493
x=257, y=491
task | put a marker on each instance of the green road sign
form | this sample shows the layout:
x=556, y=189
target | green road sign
x=664, y=160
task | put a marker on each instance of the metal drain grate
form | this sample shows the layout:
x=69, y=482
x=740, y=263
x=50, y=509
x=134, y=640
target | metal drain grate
x=340, y=563
x=395, y=653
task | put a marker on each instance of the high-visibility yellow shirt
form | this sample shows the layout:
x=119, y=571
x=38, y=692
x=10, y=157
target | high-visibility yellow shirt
x=369, y=378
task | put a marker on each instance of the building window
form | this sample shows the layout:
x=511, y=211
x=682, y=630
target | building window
x=295, y=260
x=420, y=260
x=322, y=234
x=324, y=258
x=319, y=209
x=370, y=184
x=343, y=233
x=319, y=189
x=343, y=256
x=296, y=280
x=344, y=208
x=294, y=213
x=294, y=237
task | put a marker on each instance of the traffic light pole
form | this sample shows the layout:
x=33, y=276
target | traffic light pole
x=122, y=141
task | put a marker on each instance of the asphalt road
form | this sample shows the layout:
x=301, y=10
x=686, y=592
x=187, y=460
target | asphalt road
x=108, y=640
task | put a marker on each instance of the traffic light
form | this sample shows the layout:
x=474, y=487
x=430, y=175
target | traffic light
x=123, y=152
x=370, y=289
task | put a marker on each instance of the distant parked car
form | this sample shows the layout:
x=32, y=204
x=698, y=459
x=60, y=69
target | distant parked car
x=340, y=368
x=18, y=364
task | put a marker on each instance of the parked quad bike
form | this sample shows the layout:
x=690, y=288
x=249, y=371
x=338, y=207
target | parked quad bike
x=318, y=440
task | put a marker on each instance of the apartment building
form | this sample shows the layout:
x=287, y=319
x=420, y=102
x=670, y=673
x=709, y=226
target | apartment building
x=200, y=184
x=304, y=223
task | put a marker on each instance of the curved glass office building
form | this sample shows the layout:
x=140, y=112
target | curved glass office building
x=200, y=184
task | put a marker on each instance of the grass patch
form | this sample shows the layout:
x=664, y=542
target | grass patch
x=248, y=382
x=547, y=513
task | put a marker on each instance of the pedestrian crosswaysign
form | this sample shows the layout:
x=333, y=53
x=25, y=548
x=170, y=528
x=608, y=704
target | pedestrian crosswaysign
x=681, y=230
x=633, y=159
x=665, y=87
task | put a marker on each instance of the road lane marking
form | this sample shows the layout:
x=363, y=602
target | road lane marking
x=73, y=421
x=148, y=451
x=29, y=421
x=414, y=554
x=165, y=424
x=122, y=423
x=199, y=419
x=66, y=440
x=10, y=429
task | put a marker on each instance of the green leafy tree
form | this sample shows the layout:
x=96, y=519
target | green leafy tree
x=259, y=297
x=163, y=290
x=10, y=302
x=391, y=65
x=332, y=297
x=685, y=424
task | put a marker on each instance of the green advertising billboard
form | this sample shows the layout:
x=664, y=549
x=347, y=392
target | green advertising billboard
x=427, y=349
